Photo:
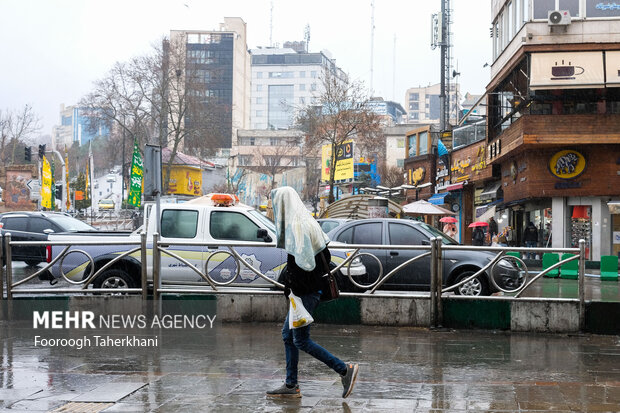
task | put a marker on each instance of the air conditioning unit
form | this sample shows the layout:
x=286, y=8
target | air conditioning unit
x=558, y=18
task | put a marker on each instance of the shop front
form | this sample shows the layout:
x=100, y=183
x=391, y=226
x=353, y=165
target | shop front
x=566, y=193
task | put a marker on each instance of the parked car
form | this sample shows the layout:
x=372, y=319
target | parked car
x=35, y=226
x=457, y=265
x=327, y=224
x=214, y=219
x=105, y=204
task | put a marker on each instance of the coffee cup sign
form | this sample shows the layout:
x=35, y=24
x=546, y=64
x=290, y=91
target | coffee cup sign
x=565, y=71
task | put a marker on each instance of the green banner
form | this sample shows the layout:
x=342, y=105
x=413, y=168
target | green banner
x=135, y=180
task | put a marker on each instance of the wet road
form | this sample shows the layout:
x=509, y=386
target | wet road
x=229, y=367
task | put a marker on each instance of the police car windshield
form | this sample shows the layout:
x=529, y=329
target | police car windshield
x=263, y=220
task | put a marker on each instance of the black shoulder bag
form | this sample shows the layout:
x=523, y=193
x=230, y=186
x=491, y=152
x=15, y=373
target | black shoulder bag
x=329, y=287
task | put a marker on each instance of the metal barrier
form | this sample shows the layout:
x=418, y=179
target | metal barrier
x=210, y=285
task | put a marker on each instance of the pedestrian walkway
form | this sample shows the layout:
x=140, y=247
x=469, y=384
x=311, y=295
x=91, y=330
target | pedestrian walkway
x=228, y=369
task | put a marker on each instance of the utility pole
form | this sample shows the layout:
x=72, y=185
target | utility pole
x=443, y=49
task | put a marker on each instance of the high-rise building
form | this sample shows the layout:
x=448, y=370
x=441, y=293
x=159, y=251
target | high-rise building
x=220, y=66
x=284, y=80
x=77, y=126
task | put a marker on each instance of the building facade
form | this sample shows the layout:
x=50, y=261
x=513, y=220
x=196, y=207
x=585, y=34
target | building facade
x=77, y=126
x=284, y=80
x=422, y=103
x=553, y=120
x=219, y=63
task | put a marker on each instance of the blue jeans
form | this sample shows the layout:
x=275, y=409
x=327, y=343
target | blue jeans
x=299, y=339
x=531, y=244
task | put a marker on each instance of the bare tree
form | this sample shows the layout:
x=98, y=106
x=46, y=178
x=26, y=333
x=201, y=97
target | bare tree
x=391, y=176
x=274, y=160
x=340, y=113
x=157, y=98
x=16, y=129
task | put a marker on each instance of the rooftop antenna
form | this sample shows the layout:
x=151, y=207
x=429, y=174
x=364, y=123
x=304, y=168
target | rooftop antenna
x=271, y=25
x=372, y=42
x=307, y=37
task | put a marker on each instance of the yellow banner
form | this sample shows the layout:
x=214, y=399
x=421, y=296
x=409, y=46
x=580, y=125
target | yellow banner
x=46, y=185
x=344, y=161
x=185, y=181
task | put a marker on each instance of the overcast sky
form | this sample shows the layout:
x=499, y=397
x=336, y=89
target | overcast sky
x=53, y=50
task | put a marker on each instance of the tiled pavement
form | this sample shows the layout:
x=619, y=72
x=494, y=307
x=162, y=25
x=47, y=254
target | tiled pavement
x=229, y=368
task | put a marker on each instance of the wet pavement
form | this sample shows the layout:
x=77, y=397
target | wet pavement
x=228, y=368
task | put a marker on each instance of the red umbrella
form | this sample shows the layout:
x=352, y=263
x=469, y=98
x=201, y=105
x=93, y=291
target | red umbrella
x=450, y=220
x=478, y=224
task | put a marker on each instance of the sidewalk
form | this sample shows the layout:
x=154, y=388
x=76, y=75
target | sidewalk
x=228, y=369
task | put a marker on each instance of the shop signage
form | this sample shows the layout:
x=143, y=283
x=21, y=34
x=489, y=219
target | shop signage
x=416, y=176
x=441, y=172
x=481, y=161
x=567, y=185
x=567, y=164
x=495, y=149
x=459, y=165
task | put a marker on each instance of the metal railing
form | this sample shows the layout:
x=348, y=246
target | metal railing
x=209, y=284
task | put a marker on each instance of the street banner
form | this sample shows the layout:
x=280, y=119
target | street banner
x=46, y=184
x=135, y=180
x=67, y=179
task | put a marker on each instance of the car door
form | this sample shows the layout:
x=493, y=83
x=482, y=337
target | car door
x=17, y=226
x=415, y=274
x=180, y=226
x=235, y=226
x=366, y=233
x=39, y=228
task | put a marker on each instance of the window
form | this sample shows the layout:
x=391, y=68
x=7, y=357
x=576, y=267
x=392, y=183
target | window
x=40, y=224
x=413, y=145
x=233, y=226
x=368, y=234
x=593, y=9
x=423, y=143
x=313, y=87
x=259, y=88
x=259, y=75
x=302, y=100
x=179, y=223
x=542, y=7
x=16, y=224
x=259, y=101
x=400, y=143
x=346, y=236
x=245, y=160
x=400, y=163
x=414, y=106
x=302, y=86
x=274, y=141
x=259, y=113
x=414, y=97
x=402, y=234
x=280, y=102
x=302, y=74
x=313, y=74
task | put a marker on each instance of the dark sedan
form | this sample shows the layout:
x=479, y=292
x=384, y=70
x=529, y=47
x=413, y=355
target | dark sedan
x=457, y=265
x=34, y=226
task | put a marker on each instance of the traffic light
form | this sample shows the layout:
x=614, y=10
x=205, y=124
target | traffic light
x=28, y=154
x=41, y=151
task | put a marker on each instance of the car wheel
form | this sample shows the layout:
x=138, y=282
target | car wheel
x=476, y=287
x=32, y=263
x=114, y=278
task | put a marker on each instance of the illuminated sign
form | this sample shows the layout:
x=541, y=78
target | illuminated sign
x=567, y=164
x=416, y=176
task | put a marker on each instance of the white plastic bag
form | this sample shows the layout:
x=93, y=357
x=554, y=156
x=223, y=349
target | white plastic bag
x=298, y=316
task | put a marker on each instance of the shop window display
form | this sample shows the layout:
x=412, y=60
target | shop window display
x=581, y=227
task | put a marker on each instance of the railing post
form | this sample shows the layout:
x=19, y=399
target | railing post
x=9, y=265
x=156, y=268
x=433, y=312
x=1, y=268
x=582, y=278
x=143, y=263
x=439, y=282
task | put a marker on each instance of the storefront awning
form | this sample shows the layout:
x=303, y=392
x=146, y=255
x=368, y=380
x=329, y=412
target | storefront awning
x=490, y=191
x=454, y=187
x=438, y=199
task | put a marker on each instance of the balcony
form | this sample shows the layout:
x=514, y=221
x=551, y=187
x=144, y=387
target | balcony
x=558, y=130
